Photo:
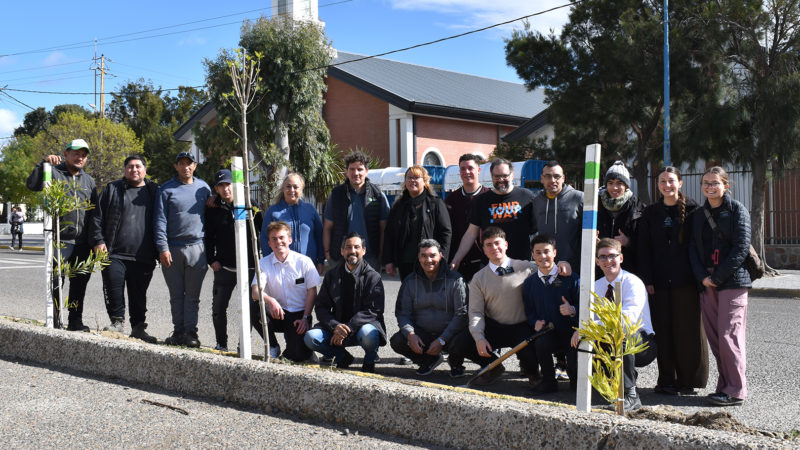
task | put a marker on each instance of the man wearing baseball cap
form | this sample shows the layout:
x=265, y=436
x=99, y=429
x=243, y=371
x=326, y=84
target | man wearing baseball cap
x=221, y=253
x=74, y=232
x=179, y=229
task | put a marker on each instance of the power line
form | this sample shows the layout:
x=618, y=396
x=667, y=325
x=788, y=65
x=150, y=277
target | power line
x=378, y=55
x=3, y=91
x=47, y=75
x=44, y=67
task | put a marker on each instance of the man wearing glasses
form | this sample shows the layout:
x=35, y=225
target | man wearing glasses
x=558, y=211
x=634, y=306
x=504, y=207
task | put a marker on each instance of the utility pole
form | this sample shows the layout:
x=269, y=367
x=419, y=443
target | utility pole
x=103, y=70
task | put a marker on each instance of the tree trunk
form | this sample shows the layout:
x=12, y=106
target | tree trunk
x=759, y=167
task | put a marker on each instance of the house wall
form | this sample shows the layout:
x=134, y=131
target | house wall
x=356, y=119
x=453, y=138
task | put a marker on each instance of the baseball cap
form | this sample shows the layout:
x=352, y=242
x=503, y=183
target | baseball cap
x=189, y=155
x=223, y=176
x=77, y=144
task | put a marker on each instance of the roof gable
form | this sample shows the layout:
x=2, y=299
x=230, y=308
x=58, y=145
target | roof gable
x=427, y=90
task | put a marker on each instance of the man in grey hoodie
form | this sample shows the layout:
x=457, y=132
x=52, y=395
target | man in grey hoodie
x=558, y=211
x=432, y=310
x=179, y=229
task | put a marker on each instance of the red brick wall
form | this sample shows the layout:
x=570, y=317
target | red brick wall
x=357, y=119
x=453, y=138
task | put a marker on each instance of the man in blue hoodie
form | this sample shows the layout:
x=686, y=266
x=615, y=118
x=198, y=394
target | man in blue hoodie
x=179, y=228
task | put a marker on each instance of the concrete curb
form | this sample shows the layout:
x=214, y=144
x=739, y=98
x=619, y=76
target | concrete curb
x=775, y=292
x=448, y=417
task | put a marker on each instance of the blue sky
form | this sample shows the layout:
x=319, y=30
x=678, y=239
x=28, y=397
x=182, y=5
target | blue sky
x=49, y=45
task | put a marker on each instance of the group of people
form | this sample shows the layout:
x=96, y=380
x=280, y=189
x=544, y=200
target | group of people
x=473, y=281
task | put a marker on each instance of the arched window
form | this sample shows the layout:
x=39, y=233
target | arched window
x=432, y=157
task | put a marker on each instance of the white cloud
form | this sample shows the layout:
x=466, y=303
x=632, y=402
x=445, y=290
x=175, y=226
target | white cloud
x=56, y=58
x=468, y=14
x=8, y=122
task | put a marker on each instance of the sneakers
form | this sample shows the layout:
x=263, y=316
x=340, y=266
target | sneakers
x=457, y=372
x=117, y=326
x=138, y=333
x=344, y=361
x=489, y=377
x=191, y=340
x=176, y=339
x=426, y=369
x=368, y=367
x=326, y=360
x=722, y=399
x=631, y=402
x=545, y=387
x=275, y=352
x=77, y=326
x=404, y=361
x=221, y=348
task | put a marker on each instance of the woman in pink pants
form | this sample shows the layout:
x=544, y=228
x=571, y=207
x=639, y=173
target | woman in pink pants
x=718, y=248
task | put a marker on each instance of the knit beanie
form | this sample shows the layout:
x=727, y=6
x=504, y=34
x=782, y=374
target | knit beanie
x=617, y=171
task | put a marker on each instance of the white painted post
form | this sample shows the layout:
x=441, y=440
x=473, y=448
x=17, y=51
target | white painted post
x=591, y=184
x=242, y=271
x=47, y=177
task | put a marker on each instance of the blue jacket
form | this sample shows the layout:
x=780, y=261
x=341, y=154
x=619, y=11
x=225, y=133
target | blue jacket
x=180, y=213
x=734, y=221
x=543, y=302
x=306, y=229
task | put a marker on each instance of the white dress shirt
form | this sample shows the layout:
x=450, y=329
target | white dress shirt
x=288, y=281
x=634, y=297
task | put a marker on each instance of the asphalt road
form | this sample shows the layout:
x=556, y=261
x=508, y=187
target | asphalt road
x=773, y=344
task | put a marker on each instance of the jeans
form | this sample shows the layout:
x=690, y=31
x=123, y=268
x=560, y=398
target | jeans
x=184, y=278
x=367, y=337
x=77, y=285
x=136, y=275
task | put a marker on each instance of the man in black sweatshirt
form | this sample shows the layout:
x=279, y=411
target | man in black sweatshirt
x=123, y=225
x=73, y=225
x=221, y=255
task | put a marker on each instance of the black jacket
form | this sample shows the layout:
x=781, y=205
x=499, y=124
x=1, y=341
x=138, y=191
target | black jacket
x=368, y=299
x=435, y=225
x=663, y=257
x=75, y=224
x=626, y=220
x=107, y=215
x=220, y=237
x=340, y=201
x=734, y=221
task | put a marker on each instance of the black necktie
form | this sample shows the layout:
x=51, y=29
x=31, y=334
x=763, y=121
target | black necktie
x=610, y=293
x=546, y=280
x=504, y=270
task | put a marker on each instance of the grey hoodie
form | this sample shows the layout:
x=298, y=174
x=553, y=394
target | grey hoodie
x=562, y=218
x=437, y=306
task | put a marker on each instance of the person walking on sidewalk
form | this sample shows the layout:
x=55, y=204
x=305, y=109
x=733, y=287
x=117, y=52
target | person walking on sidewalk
x=179, y=228
x=17, y=219
x=122, y=225
x=75, y=224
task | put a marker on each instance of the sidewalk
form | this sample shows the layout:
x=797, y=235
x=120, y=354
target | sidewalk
x=785, y=285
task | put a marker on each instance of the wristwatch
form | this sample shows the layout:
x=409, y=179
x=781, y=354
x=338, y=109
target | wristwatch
x=308, y=318
x=441, y=341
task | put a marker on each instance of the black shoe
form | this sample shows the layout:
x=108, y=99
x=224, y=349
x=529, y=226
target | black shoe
x=426, y=369
x=545, y=387
x=404, y=361
x=191, y=340
x=77, y=326
x=176, y=339
x=457, y=372
x=720, y=399
x=344, y=361
x=368, y=367
x=687, y=391
x=138, y=333
x=490, y=376
x=667, y=390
